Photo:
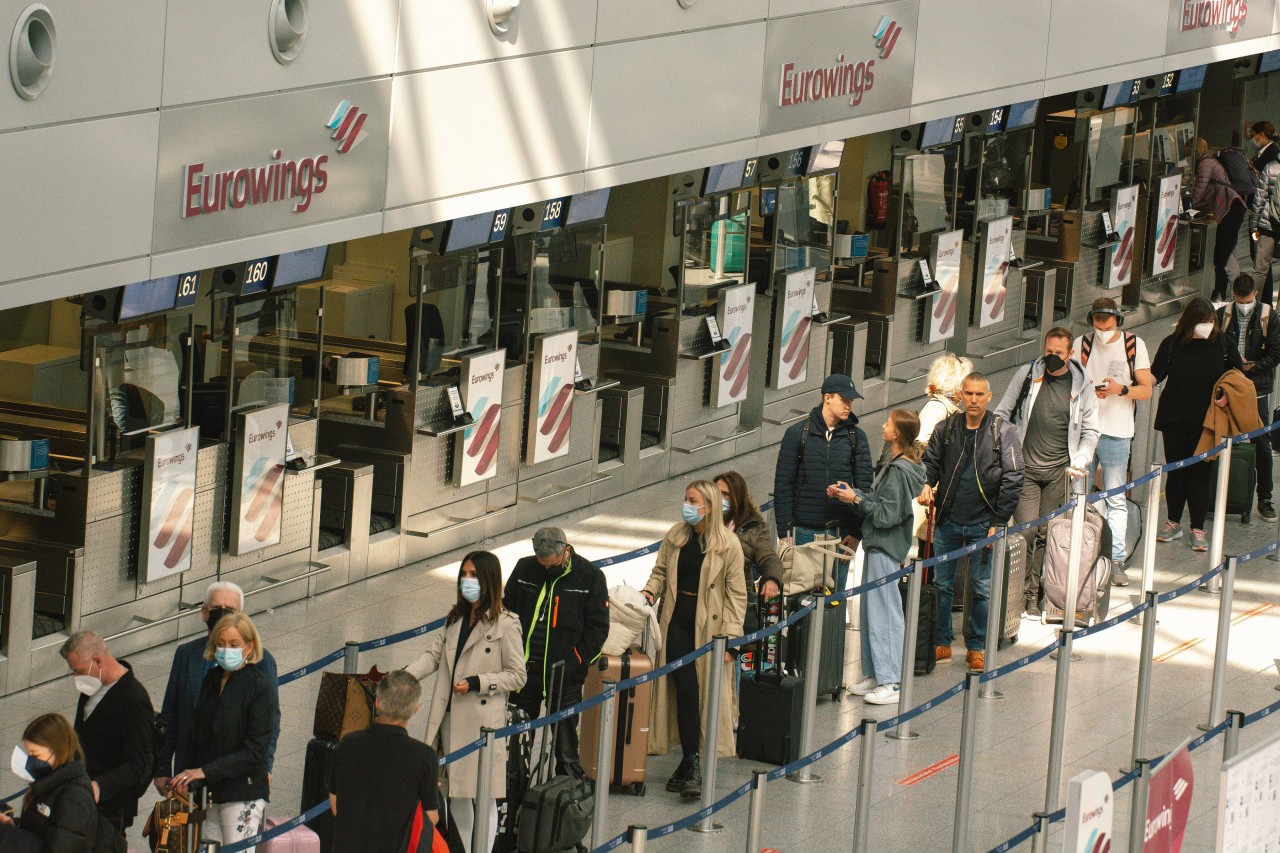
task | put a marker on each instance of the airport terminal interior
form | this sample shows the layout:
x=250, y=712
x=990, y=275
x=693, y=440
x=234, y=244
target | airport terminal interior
x=317, y=296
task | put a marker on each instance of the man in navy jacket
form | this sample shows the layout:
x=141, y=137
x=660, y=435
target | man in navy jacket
x=185, y=679
x=826, y=448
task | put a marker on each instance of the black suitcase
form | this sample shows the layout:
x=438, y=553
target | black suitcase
x=770, y=708
x=555, y=813
x=831, y=658
x=1242, y=479
x=315, y=787
x=519, y=756
x=926, y=627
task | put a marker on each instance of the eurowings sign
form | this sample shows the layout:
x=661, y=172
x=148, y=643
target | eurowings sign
x=1207, y=23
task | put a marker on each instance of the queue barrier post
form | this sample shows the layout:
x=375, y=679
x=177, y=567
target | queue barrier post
x=1231, y=737
x=638, y=836
x=1041, y=842
x=481, y=832
x=964, y=781
x=995, y=613
x=604, y=764
x=711, y=727
x=1146, y=662
x=1150, y=531
x=755, y=814
x=862, y=807
x=905, y=688
x=1220, y=649
x=812, y=657
x=1219, y=529
x=1138, y=806
x=209, y=846
x=351, y=658
x=1062, y=680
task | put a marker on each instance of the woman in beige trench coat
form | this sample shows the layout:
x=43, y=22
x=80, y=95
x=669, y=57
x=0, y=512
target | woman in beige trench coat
x=698, y=575
x=479, y=662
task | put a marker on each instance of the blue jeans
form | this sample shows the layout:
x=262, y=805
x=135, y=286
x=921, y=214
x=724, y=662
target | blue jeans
x=946, y=538
x=882, y=622
x=1112, y=456
x=805, y=535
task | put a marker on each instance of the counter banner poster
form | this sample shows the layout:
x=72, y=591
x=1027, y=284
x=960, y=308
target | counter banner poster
x=945, y=262
x=1165, y=238
x=168, y=504
x=735, y=314
x=1124, y=218
x=994, y=249
x=257, y=494
x=792, y=325
x=1090, y=809
x=551, y=398
x=1169, y=802
x=476, y=448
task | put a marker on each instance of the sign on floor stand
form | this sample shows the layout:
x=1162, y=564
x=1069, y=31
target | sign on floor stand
x=1090, y=811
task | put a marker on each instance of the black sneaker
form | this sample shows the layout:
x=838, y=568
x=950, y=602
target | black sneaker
x=678, y=779
x=692, y=788
x=1266, y=509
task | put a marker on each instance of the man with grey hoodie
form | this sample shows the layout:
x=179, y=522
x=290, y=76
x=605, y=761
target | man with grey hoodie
x=1053, y=405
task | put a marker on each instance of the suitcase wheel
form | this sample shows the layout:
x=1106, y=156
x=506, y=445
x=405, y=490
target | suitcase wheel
x=637, y=789
x=837, y=694
x=1244, y=518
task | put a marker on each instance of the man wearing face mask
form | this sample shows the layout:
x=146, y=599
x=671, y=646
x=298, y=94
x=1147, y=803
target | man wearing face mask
x=115, y=723
x=563, y=604
x=1056, y=411
x=1264, y=220
x=186, y=676
x=1250, y=325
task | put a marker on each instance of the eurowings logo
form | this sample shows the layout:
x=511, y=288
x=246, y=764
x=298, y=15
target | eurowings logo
x=886, y=36
x=1179, y=788
x=347, y=124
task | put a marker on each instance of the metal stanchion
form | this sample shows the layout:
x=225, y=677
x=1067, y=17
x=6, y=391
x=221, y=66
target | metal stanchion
x=1150, y=531
x=1231, y=737
x=862, y=807
x=1138, y=807
x=711, y=729
x=1058, y=730
x=1145, y=663
x=1041, y=842
x=995, y=612
x=638, y=836
x=1219, y=529
x=755, y=815
x=964, y=784
x=604, y=765
x=1220, y=649
x=209, y=846
x=481, y=832
x=813, y=653
x=908, y=676
x=351, y=658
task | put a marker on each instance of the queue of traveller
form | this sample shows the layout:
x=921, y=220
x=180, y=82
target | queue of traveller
x=966, y=467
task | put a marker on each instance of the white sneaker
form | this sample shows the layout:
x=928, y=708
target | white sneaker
x=863, y=687
x=885, y=694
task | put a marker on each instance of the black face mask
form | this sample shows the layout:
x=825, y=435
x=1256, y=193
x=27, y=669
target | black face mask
x=1053, y=363
x=215, y=614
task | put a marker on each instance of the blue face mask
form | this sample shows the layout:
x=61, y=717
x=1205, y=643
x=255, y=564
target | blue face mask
x=690, y=513
x=470, y=588
x=724, y=506
x=229, y=659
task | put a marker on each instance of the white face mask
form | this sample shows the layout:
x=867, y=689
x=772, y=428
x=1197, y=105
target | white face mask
x=88, y=684
x=1202, y=330
x=18, y=764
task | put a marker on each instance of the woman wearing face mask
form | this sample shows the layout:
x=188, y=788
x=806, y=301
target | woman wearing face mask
x=1189, y=361
x=479, y=661
x=699, y=576
x=58, y=812
x=234, y=720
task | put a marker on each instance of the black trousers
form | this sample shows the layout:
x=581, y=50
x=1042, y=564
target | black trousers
x=681, y=641
x=1228, y=234
x=1191, y=487
x=1263, y=453
x=529, y=700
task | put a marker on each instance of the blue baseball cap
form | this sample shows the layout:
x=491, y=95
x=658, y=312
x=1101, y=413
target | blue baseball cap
x=838, y=383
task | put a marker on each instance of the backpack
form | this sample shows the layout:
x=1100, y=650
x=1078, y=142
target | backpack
x=1244, y=178
x=1130, y=352
x=1228, y=311
x=158, y=730
x=1022, y=393
x=804, y=439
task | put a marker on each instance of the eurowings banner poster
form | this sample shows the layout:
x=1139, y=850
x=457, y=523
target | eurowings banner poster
x=1165, y=238
x=792, y=325
x=946, y=272
x=167, y=520
x=1169, y=802
x=1124, y=217
x=735, y=314
x=257, y=496
x=993, y=262
x=476, y=456
x=551, y=398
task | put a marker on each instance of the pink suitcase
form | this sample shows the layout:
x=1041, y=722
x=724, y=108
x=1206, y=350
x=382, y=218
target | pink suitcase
x=300, y=839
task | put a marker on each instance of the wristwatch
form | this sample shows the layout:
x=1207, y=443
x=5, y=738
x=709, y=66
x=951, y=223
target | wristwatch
x=1124, y=390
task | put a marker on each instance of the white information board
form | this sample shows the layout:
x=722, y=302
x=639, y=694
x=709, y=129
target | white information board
x=1249, y=801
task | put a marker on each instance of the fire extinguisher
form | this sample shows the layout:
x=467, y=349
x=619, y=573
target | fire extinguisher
x=878, y=200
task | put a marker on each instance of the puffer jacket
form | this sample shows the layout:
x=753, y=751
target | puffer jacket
x=999, y=462
x=1082, y=425
x=1265, y=215
x=60, y=810
x=801, y=478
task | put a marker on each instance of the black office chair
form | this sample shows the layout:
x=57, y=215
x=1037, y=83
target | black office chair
x=433, y=341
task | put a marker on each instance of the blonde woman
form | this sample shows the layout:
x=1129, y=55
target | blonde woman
x=946, y=374
x=235, y=717
x=699, y=576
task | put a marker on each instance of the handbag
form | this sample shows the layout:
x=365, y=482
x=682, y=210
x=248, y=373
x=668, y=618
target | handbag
x=174, y=825
x=813, y=564
x=344, y=703
x=424, y=837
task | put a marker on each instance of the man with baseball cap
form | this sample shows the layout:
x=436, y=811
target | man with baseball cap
x=825, y=448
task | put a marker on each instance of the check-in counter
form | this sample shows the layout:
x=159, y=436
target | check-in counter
x=17, y=610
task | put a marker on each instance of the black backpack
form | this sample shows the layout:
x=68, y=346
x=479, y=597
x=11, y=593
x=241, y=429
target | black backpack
x=1244, y=178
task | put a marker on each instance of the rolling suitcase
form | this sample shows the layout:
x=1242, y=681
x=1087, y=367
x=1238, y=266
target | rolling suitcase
x=927, y=623
x=770, y=707
x=300, y=839
x=1242, y=480
x=519, y=757
x=1094, y=599
x=555, y=812
x=631, y=722
x=831, y=660
x=315, y=787
x=1011, y=597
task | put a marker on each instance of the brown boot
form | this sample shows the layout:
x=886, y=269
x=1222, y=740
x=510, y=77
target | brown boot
x=975, y=660
x=944, y=653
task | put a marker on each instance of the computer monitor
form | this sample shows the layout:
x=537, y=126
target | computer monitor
x=1022, y=114
x=825, y=157
x=147, y=297
x=301, y=267
x=468, y=232
x=1117, y=94
x=1191, y=79
x=940, y=131
x=587, y=207
x=723, y=178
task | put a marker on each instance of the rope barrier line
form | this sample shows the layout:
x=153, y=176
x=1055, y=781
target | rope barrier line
x=818, y=754
x=1112, y=621
x=844, y=594
x=1263, y=713
x=686, y=822
x=755, y=636
x=1193, y=585
x=1258, y=552
x=907, y=716
x=1014, y=666
x=314, y=666
x=276, y=831
x=370, y=645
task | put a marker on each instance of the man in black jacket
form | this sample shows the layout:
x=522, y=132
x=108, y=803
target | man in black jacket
x=116, y=726
x=563, y=605
x=973, y=478
x=825, y=448
x=1251, y=326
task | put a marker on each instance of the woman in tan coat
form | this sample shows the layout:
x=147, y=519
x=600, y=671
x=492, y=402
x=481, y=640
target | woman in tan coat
x=479, y=662
x=699, y=577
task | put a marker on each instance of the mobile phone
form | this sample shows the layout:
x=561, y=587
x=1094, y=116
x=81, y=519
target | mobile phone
x=1101, y=387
